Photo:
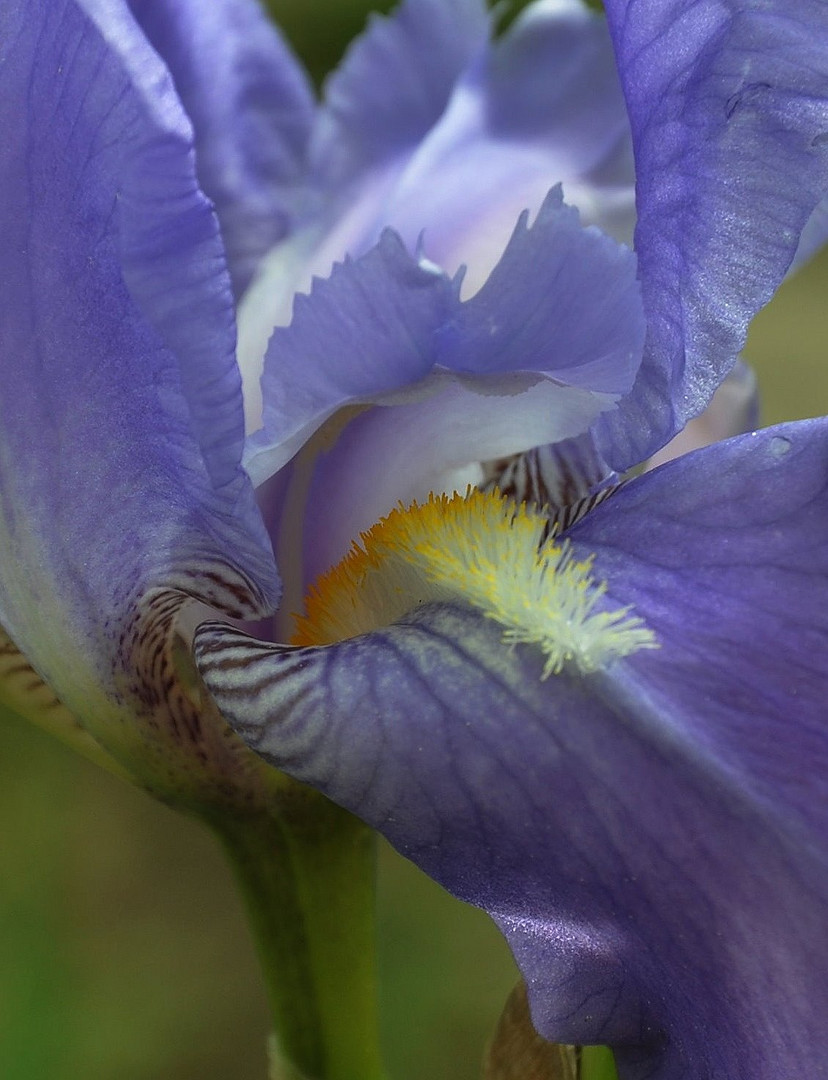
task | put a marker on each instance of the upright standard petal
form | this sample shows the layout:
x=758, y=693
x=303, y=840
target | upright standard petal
x=729, y=112
x=251, y=106
x=393, y=85
x=387, y=94
x=482, y=141
x=541, y=105
x=451, y=160
x=120, y=418
x=650, y=836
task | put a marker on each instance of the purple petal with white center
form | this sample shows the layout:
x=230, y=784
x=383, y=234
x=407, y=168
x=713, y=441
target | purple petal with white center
x=651, y=838
x=384, y=322
x=251, y=106
x=552, y=340
x=401, y=453
x=387, y=94
x=729, y=113
x=365, y=331
x=120, y=418
x=540, y=105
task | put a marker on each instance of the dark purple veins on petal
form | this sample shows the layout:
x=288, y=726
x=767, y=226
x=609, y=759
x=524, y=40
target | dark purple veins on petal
x=651, y=839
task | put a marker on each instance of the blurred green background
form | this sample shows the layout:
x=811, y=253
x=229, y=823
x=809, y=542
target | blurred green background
x=123, y=950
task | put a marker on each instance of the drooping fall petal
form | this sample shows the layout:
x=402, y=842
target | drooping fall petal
x=650, y=836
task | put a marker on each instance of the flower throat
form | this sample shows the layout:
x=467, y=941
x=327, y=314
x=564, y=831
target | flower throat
x=484, y=551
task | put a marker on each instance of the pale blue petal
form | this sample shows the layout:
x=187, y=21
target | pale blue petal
x=455, y=158
x=542, y=105
x=384, y=322
x=385, y=97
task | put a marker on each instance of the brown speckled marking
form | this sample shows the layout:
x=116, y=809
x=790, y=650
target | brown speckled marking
x=563, y=486
x=154, y=718
x=155, y=676
x=17, y=676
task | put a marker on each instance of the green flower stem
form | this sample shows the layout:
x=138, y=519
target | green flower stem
x=597, y=1063
x=308, y=882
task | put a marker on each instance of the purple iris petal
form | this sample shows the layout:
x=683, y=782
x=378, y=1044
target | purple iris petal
x=120, y=417
x=432, y=129
x=562, y=303
x=251, y=106
x=723, y=554
x=729, y=111
x=540, y=104
x=650, y=838
x=562, y=300
x=733, y=410
x=393, y=86
x=551, y=341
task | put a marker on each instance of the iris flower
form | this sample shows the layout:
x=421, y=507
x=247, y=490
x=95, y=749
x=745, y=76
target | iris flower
x=592, y=708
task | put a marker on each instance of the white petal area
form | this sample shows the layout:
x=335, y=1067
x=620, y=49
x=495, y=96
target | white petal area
x=466, y=186
x=290, y=268
x=267, y=304
x=401, y=453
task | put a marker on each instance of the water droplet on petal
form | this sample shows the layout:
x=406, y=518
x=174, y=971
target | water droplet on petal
x=779, y=446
